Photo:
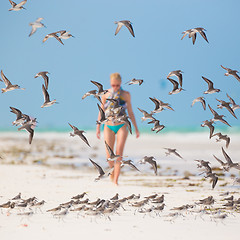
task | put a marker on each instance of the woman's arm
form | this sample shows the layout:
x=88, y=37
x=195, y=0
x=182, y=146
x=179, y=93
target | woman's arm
x=131, y=114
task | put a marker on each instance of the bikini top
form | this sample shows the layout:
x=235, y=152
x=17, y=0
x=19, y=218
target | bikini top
x=118, y=96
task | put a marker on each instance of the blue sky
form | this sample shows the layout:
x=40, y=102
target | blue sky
x=95, y=52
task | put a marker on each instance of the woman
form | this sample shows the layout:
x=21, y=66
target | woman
x=114, y=130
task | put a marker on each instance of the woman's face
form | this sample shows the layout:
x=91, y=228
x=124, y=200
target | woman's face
x=115, y=84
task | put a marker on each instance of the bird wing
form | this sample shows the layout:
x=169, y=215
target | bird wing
x=229, y=161
x=128, y=124
x=5, y=80
x=185, y=33
x=110, y=151
x=119, y=26
x=99, y=85
x=129, y=27
x=193, y=36
x=156, y=102
x=39, y=20
x=143, y=111
x=102, y=113
x=203, y=103
x=213, y=112
x=84, y=139
x=12, y=3
x=231, y=100
x=100, y=170
x=54, y=35
x=21, y=3
x=227, y=141
x=225, y=68
x=46, y=79
x=45, y=94
x=220, y=161
x=214, y=181
x=210, y=83
x=236, y=76
x=73, y=127
x=175, y=83
x=34, y=29
x=17, y=112
x=203, y=34
x=177, y=154
x=179, y=76
x=225, y=122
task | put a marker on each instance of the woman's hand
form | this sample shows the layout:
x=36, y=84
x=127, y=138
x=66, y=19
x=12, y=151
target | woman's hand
x=98, y=132
x=137, y=134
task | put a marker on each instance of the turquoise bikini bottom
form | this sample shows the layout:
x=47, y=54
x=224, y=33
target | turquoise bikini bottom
x=115, y=128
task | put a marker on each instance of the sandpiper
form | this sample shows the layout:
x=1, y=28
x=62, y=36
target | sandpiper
x=193, y=33
x=124, y=118
x=234, y=105
x=51, y=35
x=217, y=117
x=20, y=118
x=213, y=177
x=222, y=137
x=100, y=170
x=146, y=115
x=176, y=88
x=211, y=89
x=151, y=161
x=29, y=128
x=135, y=81
x=9, y=86
x=231, y=72
x=44, y=76
x=79, y=133
x=17, y=197
x=79, y=196
x=178, y=74
x=157, y=126
x=65, y=35
x=227, y=106
x=35, y=25
x=47, y=102
x=17, y=7
x=130, y=163
x=229, y=161
x=125, y=23
x=209, y=124
x=158, y=108
x=201, y=100
x=172, y=151
x=93, y=93
x=112, y=155
x=101, y=91
x=103, y=118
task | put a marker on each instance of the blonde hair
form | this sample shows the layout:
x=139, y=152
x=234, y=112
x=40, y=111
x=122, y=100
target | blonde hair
x=116, y=76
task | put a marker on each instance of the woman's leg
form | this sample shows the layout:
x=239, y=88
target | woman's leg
x=109, y=137
x=121, y=139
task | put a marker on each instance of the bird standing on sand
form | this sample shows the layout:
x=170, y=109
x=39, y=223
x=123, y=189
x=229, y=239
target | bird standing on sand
x=35, y=25
x=79, y=133
x=125, y=23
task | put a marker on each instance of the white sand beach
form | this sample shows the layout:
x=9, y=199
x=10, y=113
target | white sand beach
x=56, y=167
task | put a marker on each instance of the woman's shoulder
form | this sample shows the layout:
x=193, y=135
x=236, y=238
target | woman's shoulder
x=126, y=93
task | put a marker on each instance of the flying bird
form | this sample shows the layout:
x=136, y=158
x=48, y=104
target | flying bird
x=172, y=151
x=157, y=126
x=100, y=88
x=79, y=133
x=100, y=170
x=176, y=88
x=112, y=155
x=209, y=124
x=234, y=105
x=125, y=23
x=44, y=76
x=35, y=25
x=29, y=128
x=47, y=102
x=201, y=100
x=178, y=74
x=151, y=161
x=103, y=118
x=146, y=115
x=211, y=89
x=231, y=72
x=193, y=34
x=51, y=35
x=65, y=35
x=9, y=85
x=227, y=106
x=17, y=7
x=135, y=81
x=222, y=137
x=217, y=117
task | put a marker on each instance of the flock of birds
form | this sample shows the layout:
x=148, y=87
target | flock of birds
x=28, y=123
x=152, y=205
